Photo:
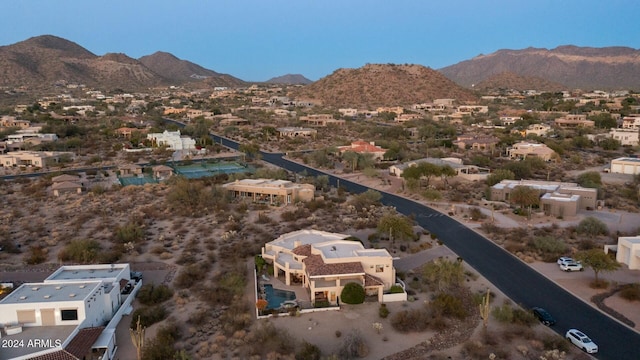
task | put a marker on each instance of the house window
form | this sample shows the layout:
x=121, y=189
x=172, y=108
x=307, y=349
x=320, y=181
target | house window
x=69, y=315
x=379, y=268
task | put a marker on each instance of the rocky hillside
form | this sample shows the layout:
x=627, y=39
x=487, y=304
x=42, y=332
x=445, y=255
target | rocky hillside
x=383, y=85
x=179, y=71
x=509, y=80
x=290, y=79
x=40, y=62
x=571, y=66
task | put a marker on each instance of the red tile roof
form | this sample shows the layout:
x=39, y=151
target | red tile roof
x=57, y=355
x=83, y=341
x=315, y=266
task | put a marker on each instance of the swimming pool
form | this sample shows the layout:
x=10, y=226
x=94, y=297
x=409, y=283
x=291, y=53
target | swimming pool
x=275, y=297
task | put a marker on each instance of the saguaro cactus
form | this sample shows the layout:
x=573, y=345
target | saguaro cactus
x=137, y=337
x=484, y=309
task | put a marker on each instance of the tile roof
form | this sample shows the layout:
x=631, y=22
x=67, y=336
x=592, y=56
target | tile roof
x=57, y=355
x=315, y=266
x=83, y=341
x=370, y=280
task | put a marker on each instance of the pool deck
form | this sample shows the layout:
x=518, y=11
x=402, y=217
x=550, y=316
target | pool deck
x=302, y=294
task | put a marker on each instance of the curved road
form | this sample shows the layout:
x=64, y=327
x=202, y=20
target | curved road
x=513, y=277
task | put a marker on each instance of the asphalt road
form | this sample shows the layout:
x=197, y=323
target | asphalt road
x=513, y=277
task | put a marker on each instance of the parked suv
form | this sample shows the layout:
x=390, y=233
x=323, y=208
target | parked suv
x=582, y=341
x=574, y=266
x=565, y=260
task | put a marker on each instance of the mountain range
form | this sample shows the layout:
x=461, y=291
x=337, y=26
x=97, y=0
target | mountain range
x=571, y=66
x=42, y=61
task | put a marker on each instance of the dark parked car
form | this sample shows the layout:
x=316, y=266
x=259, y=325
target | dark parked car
x=544, y=316
x=136, y=275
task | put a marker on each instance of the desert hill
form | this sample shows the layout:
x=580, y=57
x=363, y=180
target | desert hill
x=290, y=79
x=180, y=71
x=571, y=66
x=509, y=80
x=44, y=60
x=381, y=85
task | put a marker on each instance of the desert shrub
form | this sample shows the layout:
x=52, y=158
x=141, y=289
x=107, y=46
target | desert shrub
x=366, y=199
x=432, y=194
x=555, y=342
x=151, y=294
x=265, y=338
x=509, y=315
x=383, y=311
x=36, y=255
x=191, y=275
x=591, y=226
x=549, y=247
x=236, y=317
x=353, y=346
x=352, y=293
x=396, y=289
x=321, y=304
x=476, y=214
x=80, y=251
x=410, y=320
x=308, y=352
x=449, y=305
x=148, y=315
x=631, y=292
x=163, y=345
x=130, y=232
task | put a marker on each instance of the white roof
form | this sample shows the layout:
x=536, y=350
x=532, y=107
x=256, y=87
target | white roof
x=52, y=292
x=304, y=237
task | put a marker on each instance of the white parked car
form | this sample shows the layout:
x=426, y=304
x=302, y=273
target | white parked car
x=565, y=260
x=579, y=339
x=574, y=266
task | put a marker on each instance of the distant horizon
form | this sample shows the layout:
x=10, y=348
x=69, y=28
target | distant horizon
x=256, y=41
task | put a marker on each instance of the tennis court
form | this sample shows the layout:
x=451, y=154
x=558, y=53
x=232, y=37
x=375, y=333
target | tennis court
x=195, y=171
x=125, y=181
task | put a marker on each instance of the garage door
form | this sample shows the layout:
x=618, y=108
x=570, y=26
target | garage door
x=48, y=317
x=26, y=316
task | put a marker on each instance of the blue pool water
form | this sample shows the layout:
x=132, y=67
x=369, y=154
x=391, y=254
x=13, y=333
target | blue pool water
x=275, y=297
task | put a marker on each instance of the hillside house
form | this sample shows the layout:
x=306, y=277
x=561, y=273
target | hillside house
x=363, y=147
x=556, y=198
x=325, y=262
x=272, y=192
x=523, y=149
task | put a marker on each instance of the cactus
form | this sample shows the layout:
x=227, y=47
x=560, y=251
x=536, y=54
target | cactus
x=137, y=337
x=484, y=309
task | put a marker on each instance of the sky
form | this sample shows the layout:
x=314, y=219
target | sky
x=256, y=40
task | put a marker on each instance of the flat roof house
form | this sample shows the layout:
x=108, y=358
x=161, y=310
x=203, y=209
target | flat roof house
x=325, y=262
x=557, y=198
x=628, y=251
x=523, y=149
x=76, y=310
x=273, y=192
x=626, y=165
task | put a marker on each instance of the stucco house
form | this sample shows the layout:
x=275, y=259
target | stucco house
x=325, y=262
x=627, y=251
x=467, y=172
x=523, y=149
x=363, y=147
x=293, y=132
x=625, y=165
x=75, y=311
x=627, y=137
x=66, y=183
x=556, y=198
x=273, y=192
